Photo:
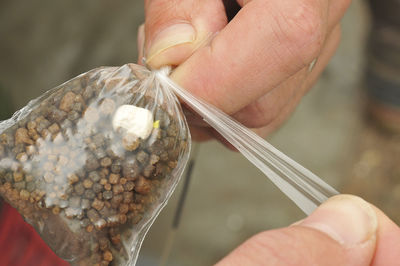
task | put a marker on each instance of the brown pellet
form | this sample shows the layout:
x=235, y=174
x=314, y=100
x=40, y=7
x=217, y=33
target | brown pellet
x=128, y=197
x=18, y=176
x=79, y=189
x=89, y=228
x=106, y=162
x=118, y=188
x=67, y=101
x=107, y=195
x=107, y=106
x=94, y=176
x=104, y=243
x=73, y=178
x=113, y=179
x=22, y=136
x=22, y=157
x=98, y=204
x=154, y=159
x=142, y=186
x=107, y=256
x=107, y=186
x=54, y=128
x=97, y=188
x=123, y=208
x=89, y=194
x=142, y=157
x=129, y=186
x=24, y=194
x=56, y=210
x=122, y=218
x=100, y=224
x=116, y=240
x=87, y=183
x=93, y=215
x=130, y=142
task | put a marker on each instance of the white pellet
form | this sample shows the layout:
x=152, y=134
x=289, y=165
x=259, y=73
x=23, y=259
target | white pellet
x=134, y=120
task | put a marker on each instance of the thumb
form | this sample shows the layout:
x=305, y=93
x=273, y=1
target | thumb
x=342, y=231
x=174, y=29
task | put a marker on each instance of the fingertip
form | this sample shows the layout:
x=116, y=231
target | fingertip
x=176, y=44
x=176, y=29
x=170, y=45
x=347, y=219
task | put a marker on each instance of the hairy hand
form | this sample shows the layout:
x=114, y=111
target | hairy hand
x=256, y=68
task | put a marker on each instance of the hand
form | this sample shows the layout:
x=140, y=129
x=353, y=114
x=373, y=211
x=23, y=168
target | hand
x=256, y=68
x=345, y=230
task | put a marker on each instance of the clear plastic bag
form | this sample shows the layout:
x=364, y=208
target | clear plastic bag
x=92, y=183
x=92, y=162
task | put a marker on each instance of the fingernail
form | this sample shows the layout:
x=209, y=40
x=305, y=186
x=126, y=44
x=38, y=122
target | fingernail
x=312, y=65
x=347, y=219
x=140, y=43
x=172, y=36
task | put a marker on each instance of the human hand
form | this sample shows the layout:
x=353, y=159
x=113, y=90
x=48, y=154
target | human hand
x=345, y=230
x=257, y=66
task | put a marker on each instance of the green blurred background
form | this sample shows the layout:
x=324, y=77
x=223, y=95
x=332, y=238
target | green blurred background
x=44, y=43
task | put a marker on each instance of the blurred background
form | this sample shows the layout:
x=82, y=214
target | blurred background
x=44, y=43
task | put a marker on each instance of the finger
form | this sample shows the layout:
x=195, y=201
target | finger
x=266, y=109
x=342, y=231
x=336, y=10
x=200, y=133
x=255, y=52
x=176, y=28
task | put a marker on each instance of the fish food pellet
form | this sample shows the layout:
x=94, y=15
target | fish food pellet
x=89, y=179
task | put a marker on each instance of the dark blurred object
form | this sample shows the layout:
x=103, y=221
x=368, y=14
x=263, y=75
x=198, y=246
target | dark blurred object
x=26, y=247
x=383, y=68
x=386, y=11
x=231, y=8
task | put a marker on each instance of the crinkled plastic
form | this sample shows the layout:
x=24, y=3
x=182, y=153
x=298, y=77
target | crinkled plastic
x=91, y=163
x=89, y=182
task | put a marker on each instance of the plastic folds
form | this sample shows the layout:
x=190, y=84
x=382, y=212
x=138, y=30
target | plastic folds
x=91, y=163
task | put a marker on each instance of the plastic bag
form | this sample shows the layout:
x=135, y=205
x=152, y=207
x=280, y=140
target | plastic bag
x=92, y=162
x=95, y=205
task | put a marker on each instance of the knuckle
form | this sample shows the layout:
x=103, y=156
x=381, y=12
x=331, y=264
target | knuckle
x=255, y=115
x=263, y=114
x=304, y=29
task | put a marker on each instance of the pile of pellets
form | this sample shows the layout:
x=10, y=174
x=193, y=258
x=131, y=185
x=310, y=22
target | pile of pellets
x=82, y=185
